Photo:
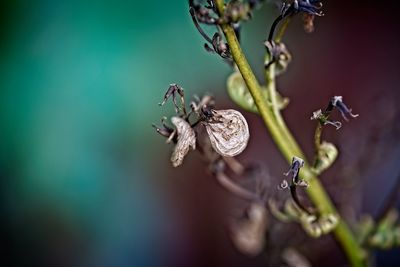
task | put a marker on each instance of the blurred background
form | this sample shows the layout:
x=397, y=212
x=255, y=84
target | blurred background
x=86, y=181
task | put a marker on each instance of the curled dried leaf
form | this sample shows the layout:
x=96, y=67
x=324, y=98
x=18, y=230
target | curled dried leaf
x=228, y=132
x=248, y=234
x=186, y=140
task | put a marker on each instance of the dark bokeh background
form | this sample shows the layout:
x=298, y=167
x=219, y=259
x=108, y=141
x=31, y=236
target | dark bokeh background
x=85, y=181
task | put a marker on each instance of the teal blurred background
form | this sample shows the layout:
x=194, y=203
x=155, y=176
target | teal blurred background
x=86, y=181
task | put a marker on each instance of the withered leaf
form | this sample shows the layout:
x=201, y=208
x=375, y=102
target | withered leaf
x=186, y=140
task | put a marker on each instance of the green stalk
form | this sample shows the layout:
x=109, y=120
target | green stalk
x=284, y=140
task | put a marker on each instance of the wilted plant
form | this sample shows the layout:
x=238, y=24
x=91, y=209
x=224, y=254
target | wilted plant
x=219, y=135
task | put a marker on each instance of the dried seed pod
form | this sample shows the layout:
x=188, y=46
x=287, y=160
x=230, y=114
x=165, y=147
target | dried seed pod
x=248, y=234
x=294, y=258
x=228, y=132
x=186, y=139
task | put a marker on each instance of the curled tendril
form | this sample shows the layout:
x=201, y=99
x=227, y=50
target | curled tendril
x=313, y=225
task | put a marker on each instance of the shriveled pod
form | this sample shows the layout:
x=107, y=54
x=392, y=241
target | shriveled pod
x=186, y=140
x=228, y=132
x=248, y=235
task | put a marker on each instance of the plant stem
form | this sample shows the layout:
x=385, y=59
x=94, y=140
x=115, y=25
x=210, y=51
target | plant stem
x=282, y=29
x=317, y=142
x=271, y=87
x=317, y=137
x=315, y=190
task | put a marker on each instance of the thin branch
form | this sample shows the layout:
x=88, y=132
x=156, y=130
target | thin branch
x=199, y=28
x=295, y=197
x=273, y=27
x=317, y=142
x=234, y=188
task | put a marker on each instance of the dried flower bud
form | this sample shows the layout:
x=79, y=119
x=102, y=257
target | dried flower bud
x=308, y=22
x=337, y=101
x=228, y=132
x=323, y=119
x=248, y=235
x=297, y=163
x=236, y=11
x=311, y=7
x=219, y=47
x=279, y=54
x=172, y=91
x=317, y=115
x=186, y=140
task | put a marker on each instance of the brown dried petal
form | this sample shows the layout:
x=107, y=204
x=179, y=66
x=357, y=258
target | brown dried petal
x=229, y=132
x=249, y=235
x=186, y=139
x=308, y=22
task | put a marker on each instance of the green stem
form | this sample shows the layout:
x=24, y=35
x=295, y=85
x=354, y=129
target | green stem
x=282, y=29
x=271, y=87
x=315, y=191
x=317, y=142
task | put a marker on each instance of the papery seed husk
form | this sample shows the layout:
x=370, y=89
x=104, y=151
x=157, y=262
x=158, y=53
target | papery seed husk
x=186, y=140
x=229, y=134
